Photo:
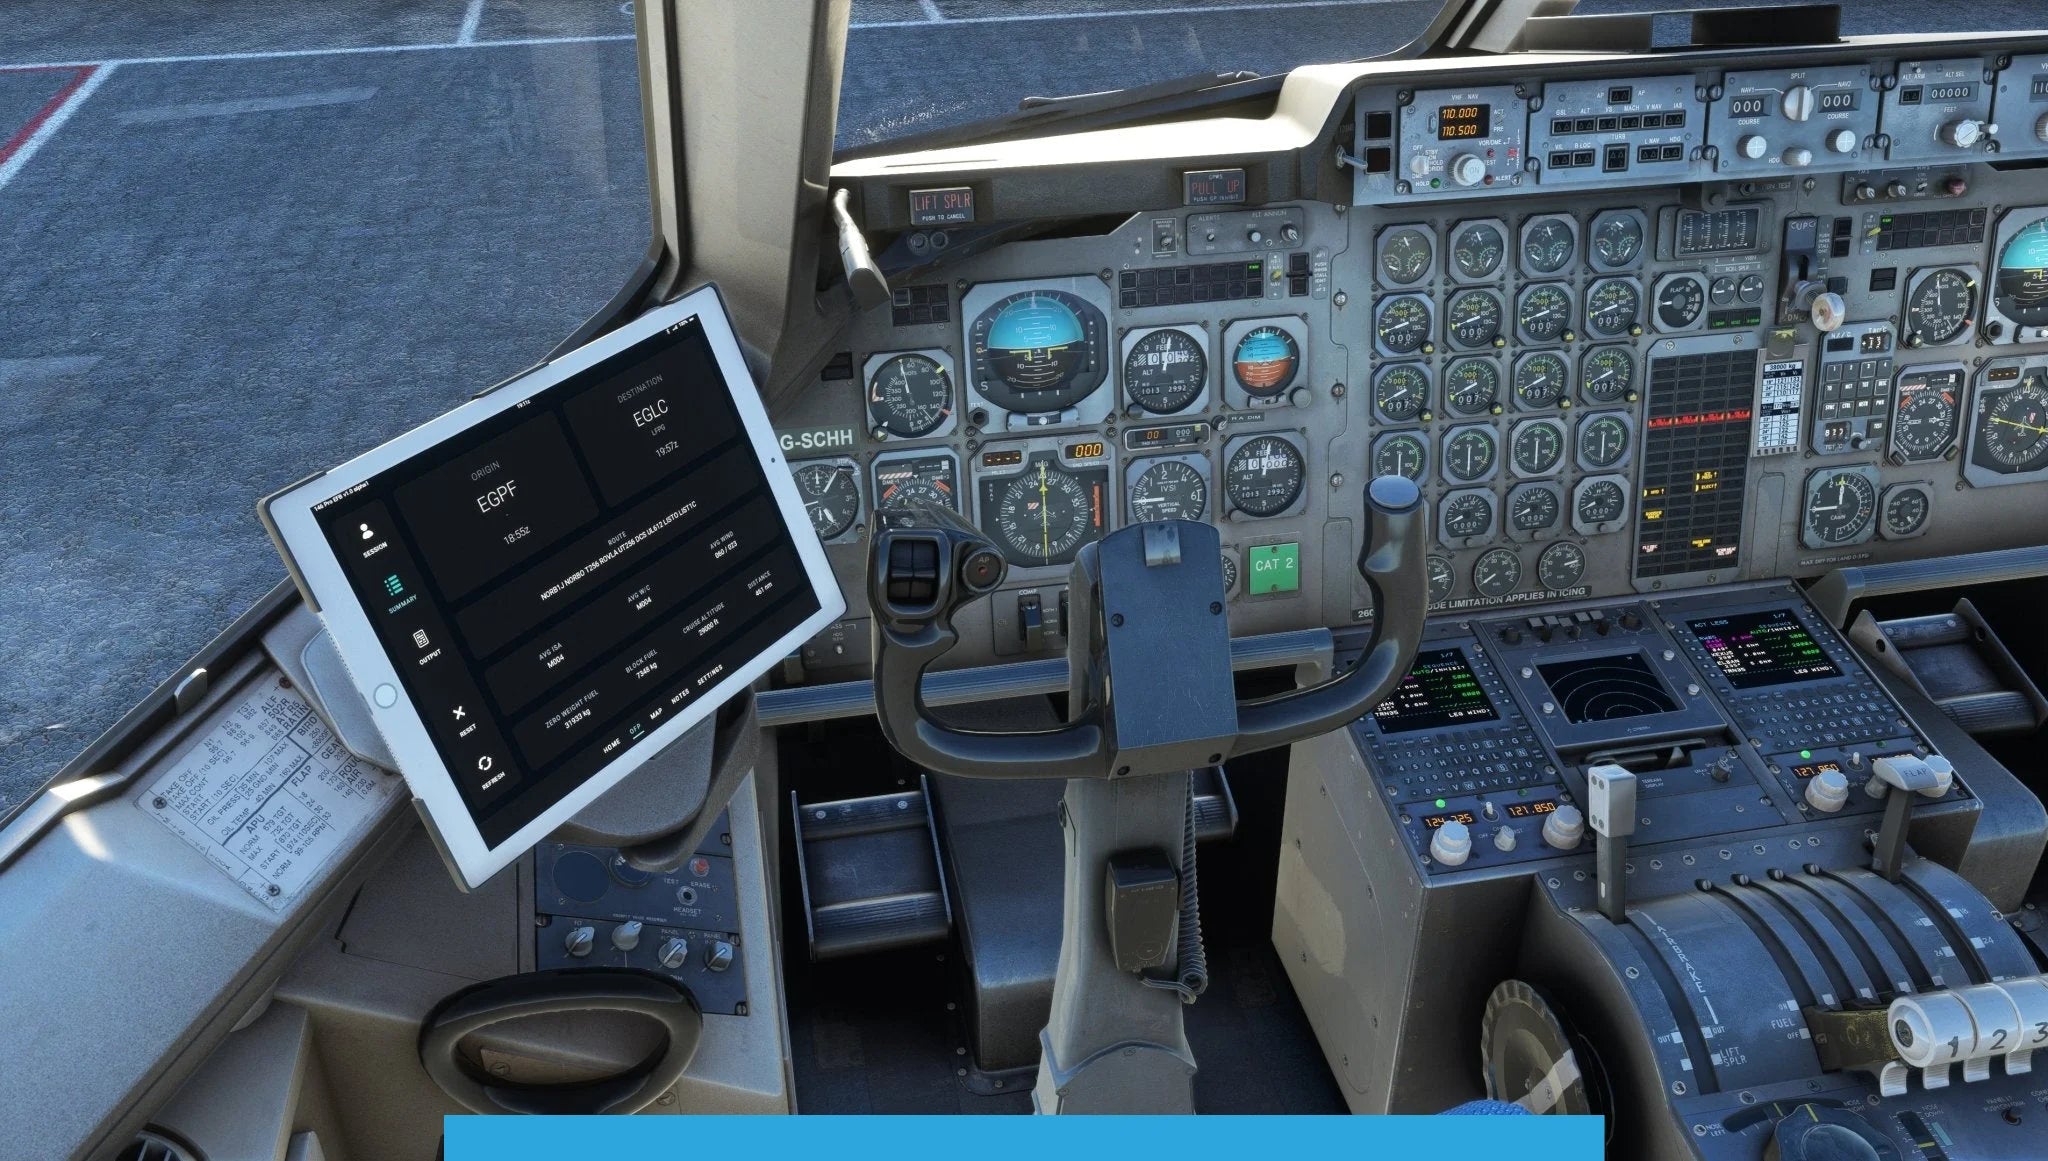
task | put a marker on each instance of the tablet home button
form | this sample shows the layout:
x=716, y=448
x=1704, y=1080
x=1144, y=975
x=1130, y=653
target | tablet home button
x=387, y=696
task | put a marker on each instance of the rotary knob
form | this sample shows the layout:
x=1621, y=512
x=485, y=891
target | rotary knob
x=673, y=954
x=719, y=957
x=1963, y=132
x=1451, y=845
x=1827, y=791
x=1828, y=311
x=1564, y=828
x=1797, y=155
x=1468, y=169
x=626, y=936
x=579, y=941
x=1797, y=103
x=1504, y=839
x=1752, y=146
x=2041, y=128
x=1842, y=141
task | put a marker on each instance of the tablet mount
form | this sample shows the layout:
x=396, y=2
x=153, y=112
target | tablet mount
x=1147, y=605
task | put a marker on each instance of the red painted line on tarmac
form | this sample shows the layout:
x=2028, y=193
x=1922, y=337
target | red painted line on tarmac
x=13, y=144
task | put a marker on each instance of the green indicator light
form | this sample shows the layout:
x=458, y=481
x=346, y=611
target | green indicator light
x=1806, y=753
x=1440, y=804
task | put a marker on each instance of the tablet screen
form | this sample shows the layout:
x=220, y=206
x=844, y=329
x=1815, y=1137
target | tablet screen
x=558, y=581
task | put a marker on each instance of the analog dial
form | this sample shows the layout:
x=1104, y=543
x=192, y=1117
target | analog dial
x=1229, y=572
x=1533, y=508
x=1939, y=306
x=1924, y=417
x=1905, y=512
x=1561, y=566
x=1469, y=454
x=1265, y=361
x=1169, y=490
x=1401, y=391
x=1543, y=312
x=2012, y=428
x=1037, y=350
x=1839, y=508
x=1617, y=239
x=1165, y=371
x=1402, y=323
x=1044, y=515
x=1471, y=386
x=831, y=493
x=1538, y=448
x=1606, y=374
x=1548, y=244
x=909, y=396
x=1680, y=301
x=1540, y=380
x=1497, y=572
x=905, y=484
x=1264, y=476
x=1477, y=249
x=1405, y=253
x=1400, y=454
x=1467, y=514
x=1472, y=318
x=1612, y=307
x=1598, y=502
x=1441, y=579
x=1603, y=440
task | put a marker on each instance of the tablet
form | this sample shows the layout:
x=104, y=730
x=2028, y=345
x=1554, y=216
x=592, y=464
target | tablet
x=538, y=591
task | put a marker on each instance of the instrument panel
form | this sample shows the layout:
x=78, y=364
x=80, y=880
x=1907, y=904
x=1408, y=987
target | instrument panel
x=1767, y=323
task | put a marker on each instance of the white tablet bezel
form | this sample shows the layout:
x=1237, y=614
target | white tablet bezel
x=289, y=515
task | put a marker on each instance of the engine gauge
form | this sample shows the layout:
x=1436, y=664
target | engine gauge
x=1497, y=572
x=1469, y=454
x=1441, y=579
x=1044, y=514
x=1471, y=386
x=908, y=481
x=1924, y=412
x=1539, y=380
x=1617, y=239
x=1405, y=255
x=1466, y=516
x=1264, y=476
x=1613, y=305
x=1164, y=370
x=1562, y=566
x=1402, y=324
x=1537, y=447
x=1401, y=453
x=909, y=395
x=1606, y=374
x=1603, y=441
x=1680, y=299
x=1548, y=244
x=1037, y=350
x=1472, y=319
x=831, y=495
x=1841, y=506
x=1265, y=361
x=1401, y=391
x=1532, y=508
x=1598, y=505
x=2011, y=434
x=1543, y=312
x=1939, y=306
x=1168, y=489
x=1229, y=572
x=1477, y=249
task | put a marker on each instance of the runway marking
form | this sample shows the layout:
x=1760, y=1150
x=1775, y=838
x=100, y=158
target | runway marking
x=470, y=19
x=16, y=150
x=1116, y=13
x=931, y=11
x=16, y=373
x=245, y=105
x=293, y=53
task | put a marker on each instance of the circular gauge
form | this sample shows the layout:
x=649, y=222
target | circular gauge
x=912, y=482
x=1905, y=512
x=1471, y=386
x=2022, y=283
x=1939, y=306
x=1561, y=566
x=1606, y=374
x=910, y=395
x=1165, y=370
x=1540, y=380
x=1400, y=454
x=1497, y=572
x=1043, y=515
x=1229, y=572
x=1924, y=418
x=1441, y=579
x=1401, y=391
x=1404, y=255
x=1472, y=318
x=1680, y=299
x=1533, y=507
x=1612, y=307
x=1598, y=502
x=1402, y=323
x=1543, y=312
x=1468, y=454
x=1468, y=514
x=1477, y=249
x=1037, y=350
x=1265, y=361
x=1603, y=441
x=1169, y=490
x=1264, y=476
x=1839, y=508
x=1617, y=239
x=831, y=496
x=2012, y=429
x=1547, y=244
x=1537, y=448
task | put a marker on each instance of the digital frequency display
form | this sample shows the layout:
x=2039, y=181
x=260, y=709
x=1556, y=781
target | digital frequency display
x=1758, y=649
x=1463, y=122
x=1440, y=690
x=557, y=582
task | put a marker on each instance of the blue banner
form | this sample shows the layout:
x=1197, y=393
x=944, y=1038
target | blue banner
x=658, y=1138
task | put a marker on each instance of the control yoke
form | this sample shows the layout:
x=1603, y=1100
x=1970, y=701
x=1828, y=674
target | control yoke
x=1147, y=600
